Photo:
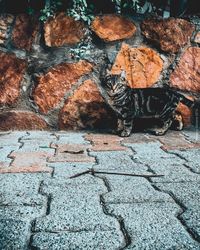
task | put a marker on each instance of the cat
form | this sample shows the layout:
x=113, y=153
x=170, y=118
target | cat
x=129, y=103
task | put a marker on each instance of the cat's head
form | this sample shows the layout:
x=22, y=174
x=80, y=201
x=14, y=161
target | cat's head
x=113, y=84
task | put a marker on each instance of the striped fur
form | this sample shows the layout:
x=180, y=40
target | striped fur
x=131, y=103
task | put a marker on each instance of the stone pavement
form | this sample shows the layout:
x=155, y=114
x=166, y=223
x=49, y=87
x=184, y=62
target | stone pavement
x=41, y=207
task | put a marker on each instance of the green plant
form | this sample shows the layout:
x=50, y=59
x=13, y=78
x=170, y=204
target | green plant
x=81, y=11
x=49, y=10
x=127, y=4
x=83, y=50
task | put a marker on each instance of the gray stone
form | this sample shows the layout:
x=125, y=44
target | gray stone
x=14, y=234
x=21, y=189
x=119, y=161
x=187, y=194
x=4, y=153
x=125, y=189
x=192, y=157
x=154, y=226
x=192, y=134
x=75, y=208
x=71, y=138
x=94, y=240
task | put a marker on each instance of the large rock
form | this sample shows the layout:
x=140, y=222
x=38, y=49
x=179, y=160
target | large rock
x=142, y=66
x=186, y=75
x=86, y=109
x=25, y=31
x=53, y=85
x=63, y=30
x=186, y=114
x=11, y=73
x=170, y=34
x=21, y=120
x=113, y=27
x=5, y=27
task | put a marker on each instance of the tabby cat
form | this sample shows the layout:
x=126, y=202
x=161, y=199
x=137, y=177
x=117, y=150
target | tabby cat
x=131, y=103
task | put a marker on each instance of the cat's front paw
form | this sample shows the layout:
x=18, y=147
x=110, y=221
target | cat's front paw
x=125, y=133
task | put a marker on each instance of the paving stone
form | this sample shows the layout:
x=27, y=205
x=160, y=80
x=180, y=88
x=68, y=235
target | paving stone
x=173, y=173
x=187, y=194
x=64, y=170
x=27, y=162
x=154, y=226
x=71, y=137
x=151, y=153
x=139, y=138
x=192, y=134
x=118, y=161
x=126, y=189
x=4, y=153
x=88, y=214
x=14, y=234
x=94, y=240
x=105, y=142
x=192, y=157
x=21, y=189
x=71, y=153
x=175, y=140
x=39, y=135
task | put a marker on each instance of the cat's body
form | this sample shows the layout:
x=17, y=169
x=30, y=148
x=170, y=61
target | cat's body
x=131, y=103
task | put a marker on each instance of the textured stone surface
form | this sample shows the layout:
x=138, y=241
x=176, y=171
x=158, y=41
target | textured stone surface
x=53, y=85
x=63, y=216
x=63, y=30
x=105, y=142
x=9, y=239
x=79, y=240
x=86, y=109
x=5, y=26
x=24, y=31
x=113, y=27
x=11, y=73
x=186, y=75
x=27, y=162
x=71, y=153
x=170, y=34
x=142, y=66
x=21, y=120
x=154, y=226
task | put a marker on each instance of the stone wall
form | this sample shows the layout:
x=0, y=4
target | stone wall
x=42, y=85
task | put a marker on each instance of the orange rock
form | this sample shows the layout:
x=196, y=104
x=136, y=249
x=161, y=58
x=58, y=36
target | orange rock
x=142, y=66
x=11, y=73
x=24, y=32
x=21, y=120
x=113, y=27
x=56, y=82
x=186, y=75
x=186, y=113
x=63, y=30
x=170, y=34
x=86, y=109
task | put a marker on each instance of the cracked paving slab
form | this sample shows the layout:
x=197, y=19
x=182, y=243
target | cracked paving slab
x=132, y=190
x=192, y=157
x=93, y=240
x=154, y=226
x=88, y=214
x=188, y=196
